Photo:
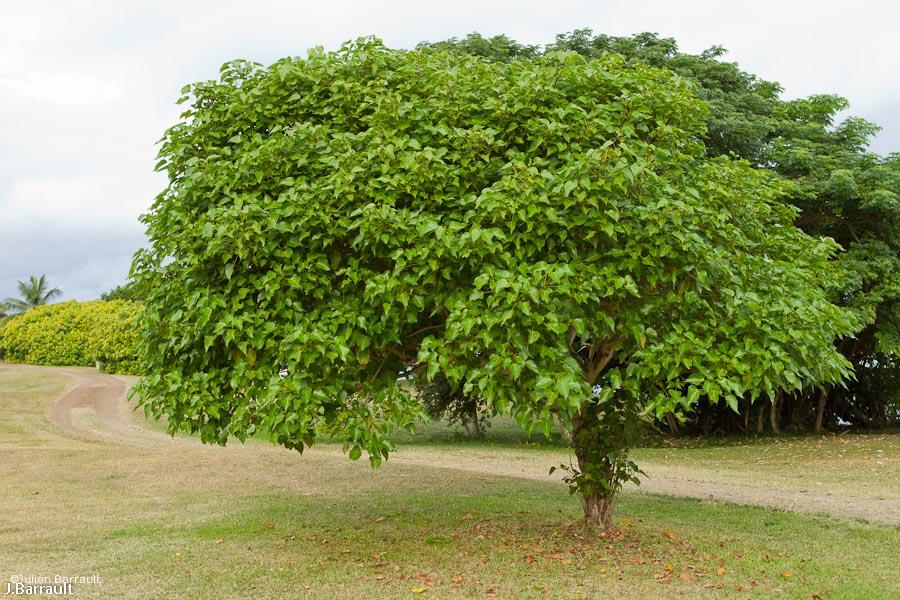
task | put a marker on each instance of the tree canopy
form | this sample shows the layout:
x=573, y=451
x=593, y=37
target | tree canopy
x=549, y=234
x=843, y=190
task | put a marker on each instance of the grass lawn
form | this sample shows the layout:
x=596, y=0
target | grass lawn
x=168, y=518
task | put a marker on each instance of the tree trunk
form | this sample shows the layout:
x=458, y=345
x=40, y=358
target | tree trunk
x=759, y=419
x=673, y=423
x=859, y=414
x=596, y=500
x=820, y=408
x=473, y=416
x=598, y=509
x=773, y=413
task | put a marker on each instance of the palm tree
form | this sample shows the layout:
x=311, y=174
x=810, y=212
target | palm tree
x=33, y=293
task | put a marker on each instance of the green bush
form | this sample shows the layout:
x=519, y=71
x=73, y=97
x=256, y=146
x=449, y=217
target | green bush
x=76, y=334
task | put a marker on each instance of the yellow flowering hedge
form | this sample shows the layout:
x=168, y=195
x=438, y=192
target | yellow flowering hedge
x=76, y=334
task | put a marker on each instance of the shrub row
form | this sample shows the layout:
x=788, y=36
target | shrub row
x=76, y=334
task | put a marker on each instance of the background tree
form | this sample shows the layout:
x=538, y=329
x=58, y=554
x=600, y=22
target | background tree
x=548, y=234
x=842, y=190
x=127, y=291
x=443, y=400
x=34, y=292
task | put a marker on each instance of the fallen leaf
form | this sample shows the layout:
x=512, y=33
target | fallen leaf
x=419, y=590
x=669, y=534
x=721, y=570
x=686, y=577
x=786, y=573
x=626, y=522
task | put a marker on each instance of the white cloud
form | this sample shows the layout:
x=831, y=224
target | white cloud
x=86, y=88
x=63, y=88
x=111, y=199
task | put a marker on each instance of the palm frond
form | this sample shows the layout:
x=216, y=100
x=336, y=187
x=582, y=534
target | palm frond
x=33, y=292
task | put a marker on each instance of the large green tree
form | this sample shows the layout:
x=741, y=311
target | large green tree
x=547, y=234
x=843, y=191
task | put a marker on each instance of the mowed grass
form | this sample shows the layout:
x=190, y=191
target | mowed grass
x=157, y=517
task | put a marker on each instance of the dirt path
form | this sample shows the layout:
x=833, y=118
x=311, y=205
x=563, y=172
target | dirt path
x=96, y=395
x=104, y=395
x=100, y=393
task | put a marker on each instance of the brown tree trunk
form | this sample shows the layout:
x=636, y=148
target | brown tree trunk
x=860, y=415
x=673, y=423
x=596, y=501
x=773, y=412
x=598, y=509
x=759, y=419
x=820, y=408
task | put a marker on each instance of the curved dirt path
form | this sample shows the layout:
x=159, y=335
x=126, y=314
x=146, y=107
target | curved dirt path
x=92, y=392
x=98, y=392
x=104, y=395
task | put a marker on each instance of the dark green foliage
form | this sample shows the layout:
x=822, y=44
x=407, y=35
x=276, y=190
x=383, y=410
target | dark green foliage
x=445, y=401
x=127, y=291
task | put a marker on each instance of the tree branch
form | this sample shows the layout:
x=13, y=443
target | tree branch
x=598, y=361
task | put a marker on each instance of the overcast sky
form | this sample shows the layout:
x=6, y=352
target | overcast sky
x=87, y=88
